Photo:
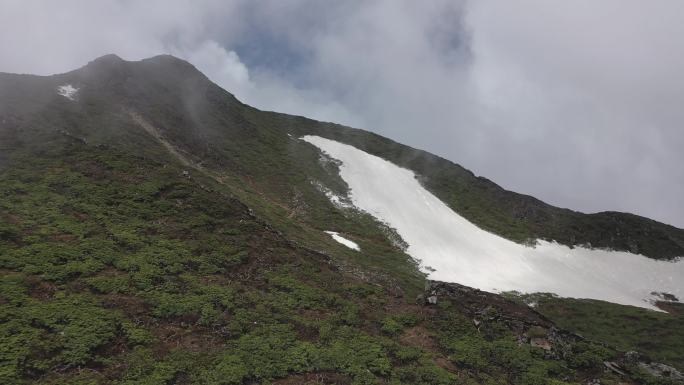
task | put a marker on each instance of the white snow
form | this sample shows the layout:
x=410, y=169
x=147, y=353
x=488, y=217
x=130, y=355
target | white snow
x=459, y=251
x=335, y=199
x=350, y=244
x=68, y=91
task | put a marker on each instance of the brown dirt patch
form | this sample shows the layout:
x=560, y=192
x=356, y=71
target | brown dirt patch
x=671, y=307
x=133, y=307
x=315, y=378
x=446, y=364
x=63, y=238
x=40, y=289
x=192, y=338
x=12, y=219
x=420, y=337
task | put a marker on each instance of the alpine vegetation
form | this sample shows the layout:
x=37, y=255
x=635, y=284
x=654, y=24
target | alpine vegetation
x=155, y=230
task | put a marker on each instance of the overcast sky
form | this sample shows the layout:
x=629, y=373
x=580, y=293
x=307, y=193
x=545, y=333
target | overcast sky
x=579, y=103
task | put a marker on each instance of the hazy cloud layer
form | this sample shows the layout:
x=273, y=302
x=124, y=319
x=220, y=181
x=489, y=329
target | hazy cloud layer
x=577, y=103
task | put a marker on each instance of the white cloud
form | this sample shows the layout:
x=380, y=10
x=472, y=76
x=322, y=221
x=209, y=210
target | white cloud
x=224, y=67
x=592, y=89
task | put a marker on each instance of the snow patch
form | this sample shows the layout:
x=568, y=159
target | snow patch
x=335, y=199
x=68, y=91
x=459, y=251
x=350, y=244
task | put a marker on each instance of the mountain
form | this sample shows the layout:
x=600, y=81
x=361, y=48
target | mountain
x=156, y=230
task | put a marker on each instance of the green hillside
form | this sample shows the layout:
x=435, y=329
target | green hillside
x=157, y=231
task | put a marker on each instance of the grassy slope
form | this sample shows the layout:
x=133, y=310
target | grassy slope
x=660, y=335
x=119, y=268
x=203, y=120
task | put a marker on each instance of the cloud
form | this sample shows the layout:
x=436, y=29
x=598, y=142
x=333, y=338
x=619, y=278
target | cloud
x=47, y=37
x=262, y=89
x=224, y=66
x=590, y=91
x=577, y=103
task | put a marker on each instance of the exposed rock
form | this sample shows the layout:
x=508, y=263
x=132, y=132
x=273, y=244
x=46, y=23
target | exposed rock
x=485, y=308
x=614, y=367
x=664, y=296
x=661, y=371
x=543, y=343
x=532, y=328
x=631, y=357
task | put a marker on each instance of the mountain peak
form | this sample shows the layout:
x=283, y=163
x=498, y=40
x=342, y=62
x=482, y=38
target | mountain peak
x=166, y=59
x=131, y=79
x=108, y=58
x=164, y=63
x=108, y=61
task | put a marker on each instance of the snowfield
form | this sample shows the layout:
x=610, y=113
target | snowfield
x=459, y=251
x=350, y=244
x=68, y=91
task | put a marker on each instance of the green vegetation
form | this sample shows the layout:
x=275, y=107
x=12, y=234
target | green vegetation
x=658, y=335
x=122, y=262
x=123, y=270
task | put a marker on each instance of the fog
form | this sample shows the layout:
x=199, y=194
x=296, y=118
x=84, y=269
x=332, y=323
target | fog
x=577, y=103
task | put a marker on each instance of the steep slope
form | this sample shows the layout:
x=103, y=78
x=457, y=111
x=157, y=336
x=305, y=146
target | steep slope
x=628, y=328
x=154, y=230
x=452, y=249
x=201, y=119
x=517, y=217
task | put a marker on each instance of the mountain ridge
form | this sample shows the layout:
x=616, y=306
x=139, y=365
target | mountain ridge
x=156, y=230
x=518, y=217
